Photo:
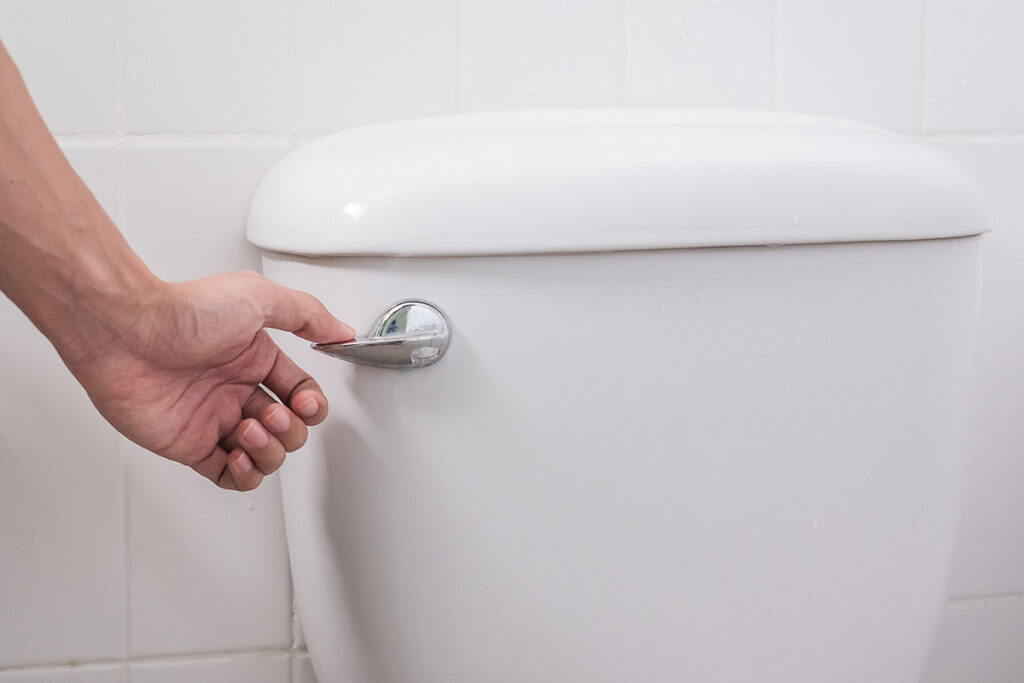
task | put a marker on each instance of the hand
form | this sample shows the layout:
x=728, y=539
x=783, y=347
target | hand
x=179, y=369
x=184, y=380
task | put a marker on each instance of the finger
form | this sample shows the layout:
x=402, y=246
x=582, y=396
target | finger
x=311, y=404
x=262, y=447
x=296, y=389
x=299, y=313
x=229, y=471
x=288, y=427
x=244, y=474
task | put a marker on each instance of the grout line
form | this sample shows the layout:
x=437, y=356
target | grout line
x=120, y=211
x=83, y=664
x=996, y=598
x=123, y=142
x=294, y=69
x=135, y=139
x=295, y=616
x=293, y=645
x=968, y=135
x=126, y=561
x=624, y=84
x=120, y=124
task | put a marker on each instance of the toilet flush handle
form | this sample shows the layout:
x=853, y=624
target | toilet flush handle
x=409, y=334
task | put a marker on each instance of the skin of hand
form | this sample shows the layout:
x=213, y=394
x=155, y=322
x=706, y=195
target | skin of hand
x=198, y=380
x=187, y=369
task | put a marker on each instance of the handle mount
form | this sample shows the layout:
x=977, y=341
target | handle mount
x=410, y=334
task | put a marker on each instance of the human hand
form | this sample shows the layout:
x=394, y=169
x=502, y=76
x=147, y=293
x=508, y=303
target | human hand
x=188, y=378
x=180, y=368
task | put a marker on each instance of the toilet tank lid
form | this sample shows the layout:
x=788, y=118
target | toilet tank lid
x=605, y=180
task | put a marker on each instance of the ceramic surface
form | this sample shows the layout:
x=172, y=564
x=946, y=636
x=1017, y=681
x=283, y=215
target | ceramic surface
x=734, y=464
x=595, y=180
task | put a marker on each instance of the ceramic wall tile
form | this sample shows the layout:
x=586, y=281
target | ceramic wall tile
x=196, y=66
x=207, y=568
x=974, y=61
x=853, y=59
x=61, y=569
x=364, y=61
x=66, y=52
x=704, y=53
x=540, y=54
x=186, y=205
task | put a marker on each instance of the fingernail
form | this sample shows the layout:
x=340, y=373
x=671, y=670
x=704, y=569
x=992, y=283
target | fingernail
x=255, y=436
x=307, y=406
x=243, y=462
x=277, y=419
x=348, y=331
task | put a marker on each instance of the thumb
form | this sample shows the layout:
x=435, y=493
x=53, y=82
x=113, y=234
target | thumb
x=299, y=313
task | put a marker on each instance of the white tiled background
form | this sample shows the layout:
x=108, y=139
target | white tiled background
x=118, y=566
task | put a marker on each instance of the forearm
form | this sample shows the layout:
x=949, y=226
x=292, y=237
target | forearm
x=62, y=260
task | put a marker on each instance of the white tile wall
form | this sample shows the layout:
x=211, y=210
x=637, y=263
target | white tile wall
x=209, y=576
x=65, y=50
x=61, y=504
x=974, y=66
x=199, y=66
x=703, y=53
x=138, y=570
x=373, y=60
x=519, y=54
x=856, y=59
x=186, y=203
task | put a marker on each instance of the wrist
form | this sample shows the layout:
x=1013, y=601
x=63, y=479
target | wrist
x=94, y=292
x=111, y=294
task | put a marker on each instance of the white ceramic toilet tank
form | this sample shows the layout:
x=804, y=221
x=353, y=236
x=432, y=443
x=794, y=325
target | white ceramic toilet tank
x=702, y=418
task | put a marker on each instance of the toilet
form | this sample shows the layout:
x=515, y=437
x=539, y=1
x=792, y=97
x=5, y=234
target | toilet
x=644, y=396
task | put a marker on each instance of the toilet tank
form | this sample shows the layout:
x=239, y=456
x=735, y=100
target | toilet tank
x=703, y=415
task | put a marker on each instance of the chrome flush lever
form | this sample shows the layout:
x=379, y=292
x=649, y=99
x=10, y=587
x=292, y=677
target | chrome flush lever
x=410, y=334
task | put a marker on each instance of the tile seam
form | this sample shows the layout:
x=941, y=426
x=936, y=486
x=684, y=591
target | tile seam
x=295, y=55
x=993, y=134
x=134, y=139
x=982, y=599
x=294, y=68
x=120, y=211
x=85, y=664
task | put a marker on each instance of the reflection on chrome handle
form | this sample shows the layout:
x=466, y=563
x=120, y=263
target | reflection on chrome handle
x=410, y=334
